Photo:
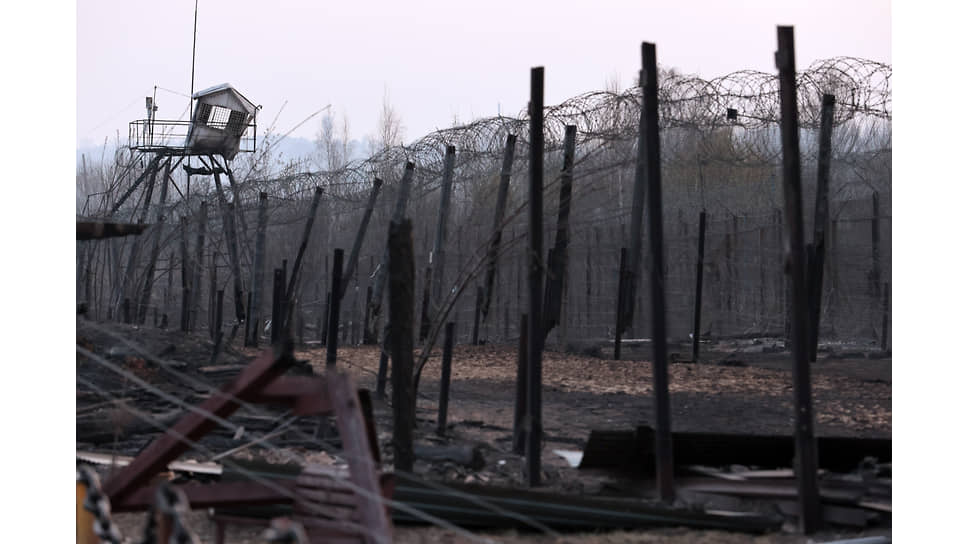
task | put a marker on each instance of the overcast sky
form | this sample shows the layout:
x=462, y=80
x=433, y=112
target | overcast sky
x=436, y=60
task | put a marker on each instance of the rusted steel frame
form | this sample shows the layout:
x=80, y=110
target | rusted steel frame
x=363, y=469
x=218, y=494
x=306, y=395
x=192, y=426
x=806, y=443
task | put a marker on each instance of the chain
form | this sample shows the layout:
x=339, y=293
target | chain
x=171, y=502
x=97, y=503
x=285, y=531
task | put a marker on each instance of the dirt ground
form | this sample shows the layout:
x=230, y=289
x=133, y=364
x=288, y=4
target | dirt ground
x=751, y=393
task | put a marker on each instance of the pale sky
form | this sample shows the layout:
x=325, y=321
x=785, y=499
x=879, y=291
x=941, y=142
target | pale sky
x=434, y=59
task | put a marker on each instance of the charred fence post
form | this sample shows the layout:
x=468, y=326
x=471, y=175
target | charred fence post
x=821, y=207
x=155, y=247
x=277, y=287
x=258, y=268
x=697, y=309
x=496, y=231
x=333, y=321
x=445, y=378
x=885, y=315
x=400, y=286
x=806, y=457
x=219, y=306
x=660, y=363
x=875, y=274
x=425, y=305
x=212, y=288
x=196, y=276
x=520, y=388
x=185, y=275
x=478, y=302
x=228, y=219
x=620, y=303
x=635, y=233
x=558, y=263
x=296, y=266
x=358, y=243
x=324, y=335
x=379, y=282
x=438, y=254
x=535, y=275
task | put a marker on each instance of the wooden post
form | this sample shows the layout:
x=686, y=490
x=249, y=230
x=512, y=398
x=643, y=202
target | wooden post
x=212, y=288
x=875, y=275
x=228, y=221
x=502, y=198
x=185, y=274
x=333, y=322
x=277, y=282
x=379, y=282
x=425, y=306
x=258, y=267
x=535, y=275
x=558, y=264
x=821, y=207
x=697, y=309
x=445, y=378
x=885, y=315
x=307, y=231
x=620, y=303
x=248, y=320
x=358, y=242
x=196, y=266
x=518, y=434
x=438, y=254
x=660, y=375
x=219, y=305
x=638, y=210
x=478, y=301
x=324, y=335
x=155, y=247
x=400, y=285
x=366, y=311
x=806, y=458
x=126, y=310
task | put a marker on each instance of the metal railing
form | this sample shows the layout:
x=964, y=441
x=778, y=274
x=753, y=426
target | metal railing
x=159, y=135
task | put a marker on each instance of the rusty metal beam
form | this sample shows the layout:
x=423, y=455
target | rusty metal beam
x=213, y=495
x=191, y=427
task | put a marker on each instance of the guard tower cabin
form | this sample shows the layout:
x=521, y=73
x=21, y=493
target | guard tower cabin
x=223, y=123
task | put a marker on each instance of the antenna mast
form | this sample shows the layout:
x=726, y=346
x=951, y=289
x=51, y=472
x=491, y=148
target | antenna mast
x=194, y=37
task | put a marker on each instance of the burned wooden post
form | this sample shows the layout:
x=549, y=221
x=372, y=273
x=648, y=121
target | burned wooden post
x=806, y=457
x=196, y=277
x=324, y=335
x=212, y=288
x=520, y=388
x=400, y=285
x=333, y=321
x=558, y=264
x=875, y=273
x=126, y=310
x=219, y=306
x=821, y=207
x=438, y=254
x=155, y=247
x=228, y=223
x=185, y=274
x=379, y=282
x=697, y=309
x=307, y=231
x=660, y=363
x=885, y=315
x=425, y=305
x=535, y=275
x=502, y=198
x=620, y=303
x=358, y=242
x=277, y=287
x=258, y=268
x=445, y=378
x=478, y=302
x=638, y=210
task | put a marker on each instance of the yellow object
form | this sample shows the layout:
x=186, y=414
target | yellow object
x=85, y=519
